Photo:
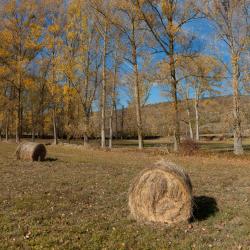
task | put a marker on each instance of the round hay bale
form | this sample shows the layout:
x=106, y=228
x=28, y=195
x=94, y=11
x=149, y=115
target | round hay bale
x=31, y=151
x=161, y=194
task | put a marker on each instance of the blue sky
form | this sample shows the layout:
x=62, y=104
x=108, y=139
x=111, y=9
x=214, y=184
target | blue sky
x=206, y=34
x=156, y=95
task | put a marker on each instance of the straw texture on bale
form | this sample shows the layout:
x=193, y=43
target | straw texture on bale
x=30, y=151
x=161, y=194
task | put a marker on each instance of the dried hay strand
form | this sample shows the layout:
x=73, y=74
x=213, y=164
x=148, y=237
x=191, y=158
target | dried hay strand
x=161, y=194
x=31, y=151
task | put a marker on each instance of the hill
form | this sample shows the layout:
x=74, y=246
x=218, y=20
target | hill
x=215, y=118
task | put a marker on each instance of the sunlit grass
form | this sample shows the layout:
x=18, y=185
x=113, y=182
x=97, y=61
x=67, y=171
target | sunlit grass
x=79, y=201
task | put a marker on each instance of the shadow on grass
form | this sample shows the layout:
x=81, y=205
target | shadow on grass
x=50, y=159
x=204, y=207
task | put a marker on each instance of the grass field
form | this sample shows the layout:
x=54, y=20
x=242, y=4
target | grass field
x=77, y=199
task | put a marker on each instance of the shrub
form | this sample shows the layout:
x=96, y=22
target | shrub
x=189, y=147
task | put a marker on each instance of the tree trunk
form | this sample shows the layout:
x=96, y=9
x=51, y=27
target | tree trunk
x=111, y=128
x=19, y=108
x=33, y=125
x=85, y=140
x=137, y=89
x=116, y=121
x=7, y=130
x=86, y=106
x=17, y=133
x=41, y=115
x=238, y=149
x=18, y=121
x=21, y=121
x=122, y=122
x=111, y=124
x=191, y=134
x=54, y=127
x=33, y=134
x=113, y=97
x=196, y=108
x=85, y=135
x=103, y=97
x=176, y=107
x=174, y=85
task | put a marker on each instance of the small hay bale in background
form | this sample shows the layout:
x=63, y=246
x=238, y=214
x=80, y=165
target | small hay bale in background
x=31, y=151
x=161, y=194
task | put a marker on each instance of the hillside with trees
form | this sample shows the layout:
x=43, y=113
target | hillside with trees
x=214, y=119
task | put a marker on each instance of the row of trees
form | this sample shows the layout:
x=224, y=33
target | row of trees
x=60, y=62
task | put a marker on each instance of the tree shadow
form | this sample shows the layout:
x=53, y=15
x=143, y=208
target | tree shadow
x=203, y=208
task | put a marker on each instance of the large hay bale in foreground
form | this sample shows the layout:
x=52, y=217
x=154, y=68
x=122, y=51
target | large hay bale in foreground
x=31, y=151
x=161, y=194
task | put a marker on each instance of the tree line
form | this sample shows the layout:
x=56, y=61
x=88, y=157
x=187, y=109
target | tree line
x=65, y=64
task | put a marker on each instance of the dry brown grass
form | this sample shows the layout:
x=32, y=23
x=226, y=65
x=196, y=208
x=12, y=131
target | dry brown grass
x=80, y=201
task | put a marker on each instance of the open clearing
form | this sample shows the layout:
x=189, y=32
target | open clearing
x=77, y=199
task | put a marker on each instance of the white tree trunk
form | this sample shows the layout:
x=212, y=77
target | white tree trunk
x=33, y=124
x=54, y=127
x=112, y=112
x=111, y=130
x=103, y=97
x=137, y=90
x=238, y=149
x=191, y=134
x=196, y=108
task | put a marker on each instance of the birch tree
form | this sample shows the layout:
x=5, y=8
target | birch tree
x=204, y=75
x=230, y=18
x=117, y=60
x=166, y=20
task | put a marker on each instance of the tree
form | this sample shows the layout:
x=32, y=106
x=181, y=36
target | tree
x=230, y=18
x=165, y=20
x=42, y=95
x=81, y=63
x=104, y=35
x=117, y=60
x=20, y=43
x=185, y=88
x=53, y=46
x=205, y=74
x=127, y=19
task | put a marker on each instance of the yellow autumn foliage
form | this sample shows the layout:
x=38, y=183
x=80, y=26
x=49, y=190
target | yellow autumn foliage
x=54, y=28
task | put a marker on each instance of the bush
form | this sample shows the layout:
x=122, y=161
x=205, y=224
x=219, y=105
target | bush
x=189, y=147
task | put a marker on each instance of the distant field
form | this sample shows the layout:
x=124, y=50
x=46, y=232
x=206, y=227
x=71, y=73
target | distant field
x=77, y=199
x=225, y=146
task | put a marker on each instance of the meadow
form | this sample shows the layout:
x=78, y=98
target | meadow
x=77, y=199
